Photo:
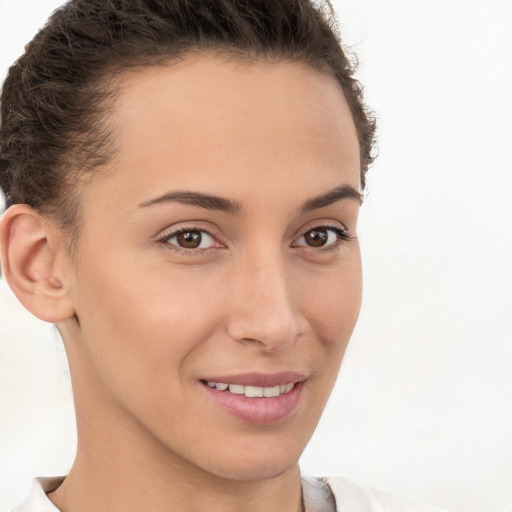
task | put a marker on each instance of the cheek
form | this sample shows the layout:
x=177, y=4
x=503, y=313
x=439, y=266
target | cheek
x=334, y=303
x=332, y=308
x=140, y=319
x=139, y=338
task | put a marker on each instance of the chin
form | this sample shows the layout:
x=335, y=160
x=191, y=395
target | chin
x=249, y=472
x=256, y=464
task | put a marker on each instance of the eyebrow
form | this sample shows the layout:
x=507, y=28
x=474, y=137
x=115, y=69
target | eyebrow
x=206, y=201
x=344, y=191
x=233, y=207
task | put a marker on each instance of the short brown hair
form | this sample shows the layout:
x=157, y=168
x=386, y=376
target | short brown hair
x=56, y=94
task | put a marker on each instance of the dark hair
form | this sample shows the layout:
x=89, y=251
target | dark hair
x=55, y=95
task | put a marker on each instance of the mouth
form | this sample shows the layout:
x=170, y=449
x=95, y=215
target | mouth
x=252, y=391
x=256, y=398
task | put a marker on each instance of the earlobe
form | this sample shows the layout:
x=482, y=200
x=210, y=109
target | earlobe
x=29, y=263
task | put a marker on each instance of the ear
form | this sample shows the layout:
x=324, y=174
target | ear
x=33, y=263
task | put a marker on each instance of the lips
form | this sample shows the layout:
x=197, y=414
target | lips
x=258, y=379
x=256, y=398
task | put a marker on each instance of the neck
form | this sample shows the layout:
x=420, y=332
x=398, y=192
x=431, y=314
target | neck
x=117, y=483
x=82, y=491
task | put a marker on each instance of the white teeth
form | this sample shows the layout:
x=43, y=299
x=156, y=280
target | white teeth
x=252, y=391
x=237, y=389
x=269, y=392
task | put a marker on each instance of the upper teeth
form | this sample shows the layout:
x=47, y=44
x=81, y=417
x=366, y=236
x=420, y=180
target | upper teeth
x=252, y=391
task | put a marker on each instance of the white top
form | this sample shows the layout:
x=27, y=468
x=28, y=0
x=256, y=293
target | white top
x=319, y=496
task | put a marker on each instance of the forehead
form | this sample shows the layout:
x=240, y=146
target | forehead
x=225, y=122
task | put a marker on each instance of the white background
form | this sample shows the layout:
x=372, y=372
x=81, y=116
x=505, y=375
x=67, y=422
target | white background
x=423, y=406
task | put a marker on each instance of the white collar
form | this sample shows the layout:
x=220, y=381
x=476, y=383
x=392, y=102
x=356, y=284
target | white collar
x=38, y=499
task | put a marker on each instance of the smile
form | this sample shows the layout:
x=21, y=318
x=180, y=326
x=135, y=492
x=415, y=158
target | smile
x=256, y=398
x=253, y=391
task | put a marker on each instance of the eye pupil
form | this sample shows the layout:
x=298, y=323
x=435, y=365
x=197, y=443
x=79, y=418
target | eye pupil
x=189, y=239
x=316, y=237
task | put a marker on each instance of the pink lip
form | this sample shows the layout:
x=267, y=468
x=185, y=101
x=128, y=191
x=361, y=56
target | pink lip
x=263, y=380
x=258, y=410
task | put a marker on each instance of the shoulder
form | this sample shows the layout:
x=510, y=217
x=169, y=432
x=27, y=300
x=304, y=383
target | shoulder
x=38, y=501
x=352, y=497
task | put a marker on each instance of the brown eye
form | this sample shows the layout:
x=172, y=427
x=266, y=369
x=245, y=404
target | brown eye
x=189, y=239
x=322, y=236
x=316, y=237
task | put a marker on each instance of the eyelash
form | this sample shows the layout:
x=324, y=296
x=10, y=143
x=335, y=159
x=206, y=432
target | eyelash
x=164, y=240
x=342, y=235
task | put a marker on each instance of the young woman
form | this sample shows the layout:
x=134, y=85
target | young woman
x=184, y=180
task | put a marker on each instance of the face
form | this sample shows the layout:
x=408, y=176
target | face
x=220, y=250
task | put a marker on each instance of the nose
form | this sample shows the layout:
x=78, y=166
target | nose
x=263, y=310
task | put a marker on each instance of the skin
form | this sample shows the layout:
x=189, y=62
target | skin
x=153, y=320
